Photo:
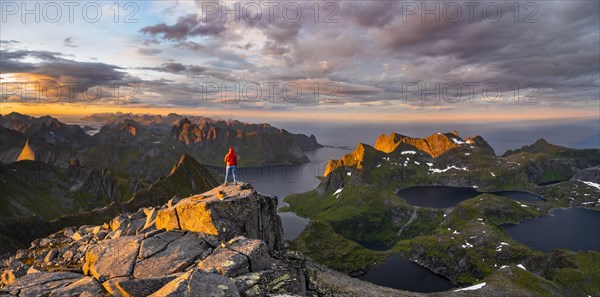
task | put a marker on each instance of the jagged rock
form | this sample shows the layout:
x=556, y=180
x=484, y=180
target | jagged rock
x=256, y=251
x=178, y=255
x=112, y=258
x=33, y=269
x=195, y=281
x=289, y=282
x=112, y=286
x=68, y=255
x=151, y=246
x=41, y=283
x=150, y=218
x=225, y=262
x=118, y=223
x=14, y=269
x=591, y=174
x=51, y=255
x=85, y=285
x=146, y=286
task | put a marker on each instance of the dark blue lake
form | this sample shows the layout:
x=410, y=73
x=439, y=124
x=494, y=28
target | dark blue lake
x=444, y=197
x=399, y=273
x=576, y=229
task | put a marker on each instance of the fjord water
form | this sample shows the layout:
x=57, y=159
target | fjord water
x=282, y=181
x=399, y=273
x=576, y=229
x=443, y=196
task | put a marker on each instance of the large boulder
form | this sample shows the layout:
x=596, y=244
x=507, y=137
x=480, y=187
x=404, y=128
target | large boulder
x=112, y=258
x=41, y=283
x=176, y=256
x=225, y=262
x=226, y=212
x=198, y=283
x=86, y=285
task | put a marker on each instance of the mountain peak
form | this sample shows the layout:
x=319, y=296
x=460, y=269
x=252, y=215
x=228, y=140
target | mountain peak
x=538, y=147
x=185, y=161
x=27, y=153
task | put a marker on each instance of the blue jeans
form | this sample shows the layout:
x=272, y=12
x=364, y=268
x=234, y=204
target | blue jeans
x=232, y=169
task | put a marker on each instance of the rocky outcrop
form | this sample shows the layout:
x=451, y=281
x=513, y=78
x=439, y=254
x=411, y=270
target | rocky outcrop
x=224, y=242
x=591, y=174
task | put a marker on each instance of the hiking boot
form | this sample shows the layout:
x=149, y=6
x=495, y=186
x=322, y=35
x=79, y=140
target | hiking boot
x=235, y=183
x=225, y=185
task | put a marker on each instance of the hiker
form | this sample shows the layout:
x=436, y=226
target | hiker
x=231, y=162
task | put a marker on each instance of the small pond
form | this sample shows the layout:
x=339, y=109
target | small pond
x=399, y=273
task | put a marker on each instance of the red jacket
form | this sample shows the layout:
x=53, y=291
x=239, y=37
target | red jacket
x=231, y=158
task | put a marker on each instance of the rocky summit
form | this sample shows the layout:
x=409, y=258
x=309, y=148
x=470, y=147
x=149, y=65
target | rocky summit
x=222, y=243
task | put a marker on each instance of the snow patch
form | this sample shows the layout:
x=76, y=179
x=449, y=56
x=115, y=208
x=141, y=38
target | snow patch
x=435, y=170
x=349, y=173
x=429, y=164
x=408, y=153
x=455, y=232
x=466, y=154
x=521, y=266
x=458, y=141
x=471, y=288
x=467, y=245
x=417, y=163
x=492, y=174
x=591, y=184
x=337, y=193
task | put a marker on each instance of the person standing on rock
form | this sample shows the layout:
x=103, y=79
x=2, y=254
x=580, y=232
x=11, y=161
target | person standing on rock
x=231, y=162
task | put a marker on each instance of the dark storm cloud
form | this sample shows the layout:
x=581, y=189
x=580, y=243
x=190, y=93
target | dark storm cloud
x=212, y=74
x=178, y=68
x=185, y=27
x=53, y=66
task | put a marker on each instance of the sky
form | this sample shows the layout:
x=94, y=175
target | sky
x=339, y=61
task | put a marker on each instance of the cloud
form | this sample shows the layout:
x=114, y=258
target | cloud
x=373, y=50
x=49, y=68
x=186, y=26
x=149, y=51
x=69, y=42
